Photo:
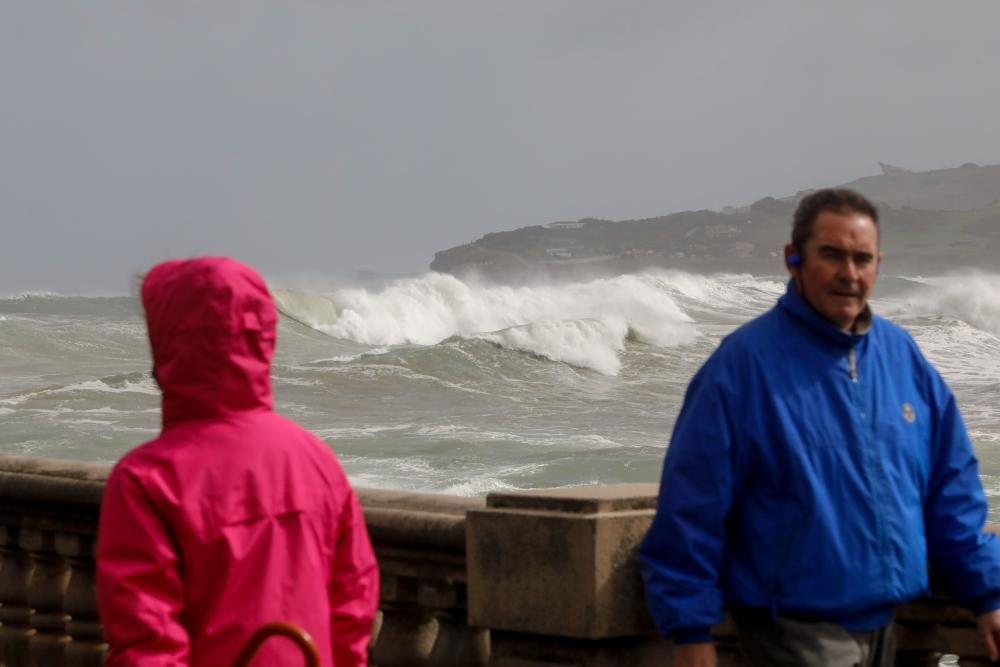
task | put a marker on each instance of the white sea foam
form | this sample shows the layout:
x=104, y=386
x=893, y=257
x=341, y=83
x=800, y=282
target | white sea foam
x=434, y=307
x=391, y=370
x=294, y=381
x=345, y=358
x=360, y=431
x=144, y=386
x=478, y=487
x=956, y=320
x=38, y=295
x=31, y=294
x=916, y=279
x=594, y=441
x=585, y=343
x=494, y=480
x=973, y=298
x=421, y=473
x=977, y=435
x=104, y=410
x=438, y=430
x=961, y=352
x=736, y=295
x=584, y=324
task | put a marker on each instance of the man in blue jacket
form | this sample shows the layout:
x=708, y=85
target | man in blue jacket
x=819, y=463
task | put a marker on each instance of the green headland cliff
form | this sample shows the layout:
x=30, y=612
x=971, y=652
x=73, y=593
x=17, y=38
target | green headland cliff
x=932, y=221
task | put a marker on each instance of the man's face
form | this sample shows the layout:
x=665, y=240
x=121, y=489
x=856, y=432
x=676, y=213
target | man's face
x=839, y=266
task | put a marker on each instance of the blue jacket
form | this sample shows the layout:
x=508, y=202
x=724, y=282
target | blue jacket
x=815, y=473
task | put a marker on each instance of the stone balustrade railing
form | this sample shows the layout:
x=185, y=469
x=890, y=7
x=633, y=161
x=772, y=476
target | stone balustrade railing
x=525, y=579
x=419, y=542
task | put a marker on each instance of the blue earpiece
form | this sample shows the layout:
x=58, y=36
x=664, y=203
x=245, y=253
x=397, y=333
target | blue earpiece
x=794, y=259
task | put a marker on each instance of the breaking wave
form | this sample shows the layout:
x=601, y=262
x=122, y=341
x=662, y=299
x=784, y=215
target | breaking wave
x=973, y=298
x=593, y=344
x=585, y=324
x=128, y=383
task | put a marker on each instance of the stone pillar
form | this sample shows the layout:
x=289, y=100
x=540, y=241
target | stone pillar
x=554, y=575
x=419, y=541
x=407, y=631
x=16, y=568
x=88, y=648
x=46, y=594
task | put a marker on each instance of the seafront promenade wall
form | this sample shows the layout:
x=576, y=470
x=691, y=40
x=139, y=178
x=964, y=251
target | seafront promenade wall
x=526, y=579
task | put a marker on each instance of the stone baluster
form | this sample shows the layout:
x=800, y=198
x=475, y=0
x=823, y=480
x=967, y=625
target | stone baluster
x=457, y=645
x=376, y=631
x=408, y=631
x=87, y=648
x=46, y=596
x=419, y=540
x=16, y=568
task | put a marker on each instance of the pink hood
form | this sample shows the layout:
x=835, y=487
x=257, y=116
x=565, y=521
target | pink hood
x=212, y=326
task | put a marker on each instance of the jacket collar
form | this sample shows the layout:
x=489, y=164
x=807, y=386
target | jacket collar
x=795, y=305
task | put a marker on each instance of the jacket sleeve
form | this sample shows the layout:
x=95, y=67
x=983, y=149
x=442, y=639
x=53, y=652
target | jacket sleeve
x=354, y=587
x=955, y=511
x=139, y=588
x=683, y=550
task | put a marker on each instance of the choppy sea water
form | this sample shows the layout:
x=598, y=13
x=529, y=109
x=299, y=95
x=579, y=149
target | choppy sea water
x=436, y=384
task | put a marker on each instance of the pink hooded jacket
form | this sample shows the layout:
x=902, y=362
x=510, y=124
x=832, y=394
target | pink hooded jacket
x=234, y=516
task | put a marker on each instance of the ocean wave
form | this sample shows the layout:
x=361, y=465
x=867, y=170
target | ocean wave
x=477, y=487
x=585, y=324
x=983, y=436
x=48, y=295
x=113, y=385
x=737, y=295
x=32, y=294
x=406, y=373
x=62, y=410
x=962, y=352
x=334, y=432
x=438, y=430
x=312, y=309
x=973, y=298
x=294, y=381
x=923, y=280
x=346, y=358
x=593, y=344
x=435, y=307
x=413, y=473
x=128, y=386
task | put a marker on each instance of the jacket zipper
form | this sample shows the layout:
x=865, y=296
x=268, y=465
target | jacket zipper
x=875, y=465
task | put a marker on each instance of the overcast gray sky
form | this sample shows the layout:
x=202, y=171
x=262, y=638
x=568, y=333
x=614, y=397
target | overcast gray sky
x=325, y=137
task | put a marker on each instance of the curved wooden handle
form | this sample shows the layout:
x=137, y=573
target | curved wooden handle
x=268, y=630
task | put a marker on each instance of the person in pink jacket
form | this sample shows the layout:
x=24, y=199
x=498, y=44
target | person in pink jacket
x=234, y=516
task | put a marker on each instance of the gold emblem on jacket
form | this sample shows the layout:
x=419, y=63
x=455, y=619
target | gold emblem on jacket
x=908, y=413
